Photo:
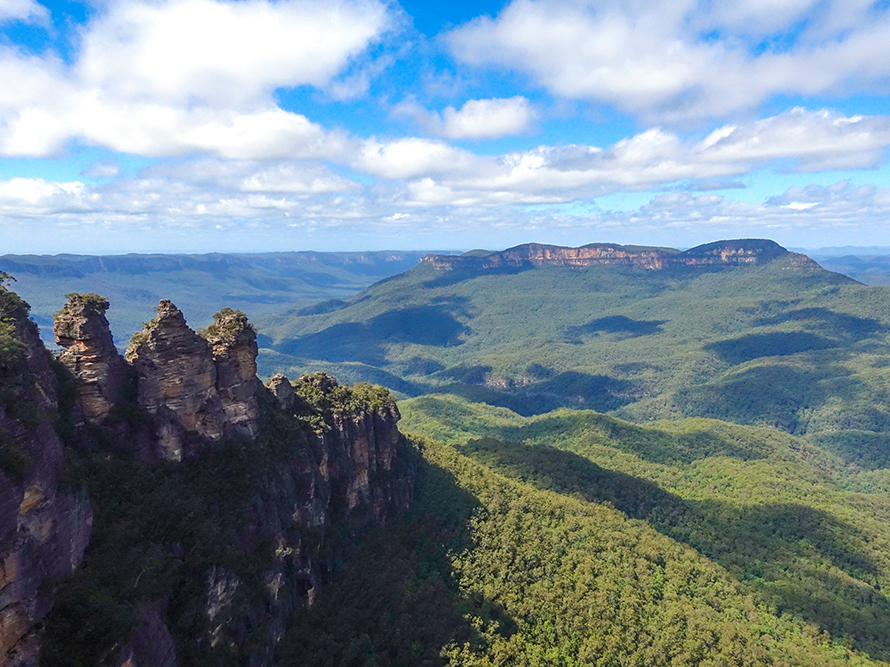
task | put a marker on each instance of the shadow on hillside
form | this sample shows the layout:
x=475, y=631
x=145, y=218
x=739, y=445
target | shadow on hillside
x=765, y=395
x=572, y=389
x=621, y=326
x=865, y=449
x=366, y=342
x=754, y=346
x=397, y=601
x=830, y=322
x=780, y=551
x=459, y=275
x=648, y=444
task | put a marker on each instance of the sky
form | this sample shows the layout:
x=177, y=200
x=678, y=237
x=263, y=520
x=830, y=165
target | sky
x=269, y=125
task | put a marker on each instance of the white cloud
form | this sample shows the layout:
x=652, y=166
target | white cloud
x=412, y=157
x=103, y=169
x=799, y=140
x=29, y=11
x=223, y=53
x=476, y=119
x=181, y=76
x=214, y=195
x=678, y=60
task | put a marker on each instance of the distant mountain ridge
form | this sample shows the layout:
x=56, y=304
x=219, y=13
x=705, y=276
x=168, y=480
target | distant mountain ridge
x=729, y=252
x=253, y=282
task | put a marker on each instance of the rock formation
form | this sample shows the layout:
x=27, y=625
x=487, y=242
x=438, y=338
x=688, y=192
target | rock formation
x=320, y=461
x=176, y=382
x=233, y=342
x=283, y=391
x=44, y=529
x=728, y=253
x=103, y=379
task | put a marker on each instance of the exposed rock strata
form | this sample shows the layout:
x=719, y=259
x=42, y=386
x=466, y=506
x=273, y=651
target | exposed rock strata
x=176, y=383
x=283, y=391
x=233, y=341
x=44, y=529
x=103, y=378
x=349, y=474
x=338, y=465
x=728, y=253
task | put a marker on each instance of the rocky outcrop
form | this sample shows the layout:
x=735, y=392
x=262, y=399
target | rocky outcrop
x=102, y=376
x=152, y=644
x=233, y=342
x=720, y=253
x=176, y=383
x=44, y=528
x=282, y=390
x=351, y=472
x=316, y=462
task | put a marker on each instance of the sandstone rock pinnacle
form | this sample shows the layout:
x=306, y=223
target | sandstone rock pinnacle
x=103, y=379
x=176, y=381
x=233, y=341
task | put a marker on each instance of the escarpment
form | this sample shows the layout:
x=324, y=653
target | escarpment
x=221, y=505
x=720, y=253
x=44, y=525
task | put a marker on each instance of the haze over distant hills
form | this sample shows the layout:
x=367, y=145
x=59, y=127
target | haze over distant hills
x=744, y=331
x=578, y=491
x=199, y=284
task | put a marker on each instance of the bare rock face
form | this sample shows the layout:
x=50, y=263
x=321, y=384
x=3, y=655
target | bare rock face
x=44, y=529
x=282, y=390
x=233, y=341
x=720, y=253
x=102, y=375
x=329, y=462
x=176, y=382
x=352, y=472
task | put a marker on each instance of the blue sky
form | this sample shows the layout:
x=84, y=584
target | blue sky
x=254, y=125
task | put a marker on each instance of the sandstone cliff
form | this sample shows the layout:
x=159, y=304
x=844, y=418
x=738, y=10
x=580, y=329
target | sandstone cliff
x=44, y=527
x=103, y=378
x=727, y=253
x=237, y=506
x=233, y=342
x=176, y=383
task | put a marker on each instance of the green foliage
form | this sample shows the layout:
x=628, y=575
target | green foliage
x=141, y=337
x=91, y=300
x=780, y=344
x=322, y=398
x=783, y=518
x=15, y=462
x=486, y=570
x=12, y=307
x=227, y=325
x=159, y=529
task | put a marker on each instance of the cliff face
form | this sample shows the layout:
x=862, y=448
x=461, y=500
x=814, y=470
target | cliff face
x=103, y=378
x=176, y=383
x=44, y=528
x=349, y=473
x=728, y=253
x=233, y=342
x=278, y=478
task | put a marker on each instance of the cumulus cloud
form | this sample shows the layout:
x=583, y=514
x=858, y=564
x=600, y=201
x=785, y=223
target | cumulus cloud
x=223, y=53
x=28, y=11
x=799, y=140
x=680, y=59
x=476, y=119
x=223, y=195
x=179, y=76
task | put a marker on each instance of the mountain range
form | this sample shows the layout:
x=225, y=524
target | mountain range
x=606, y=455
